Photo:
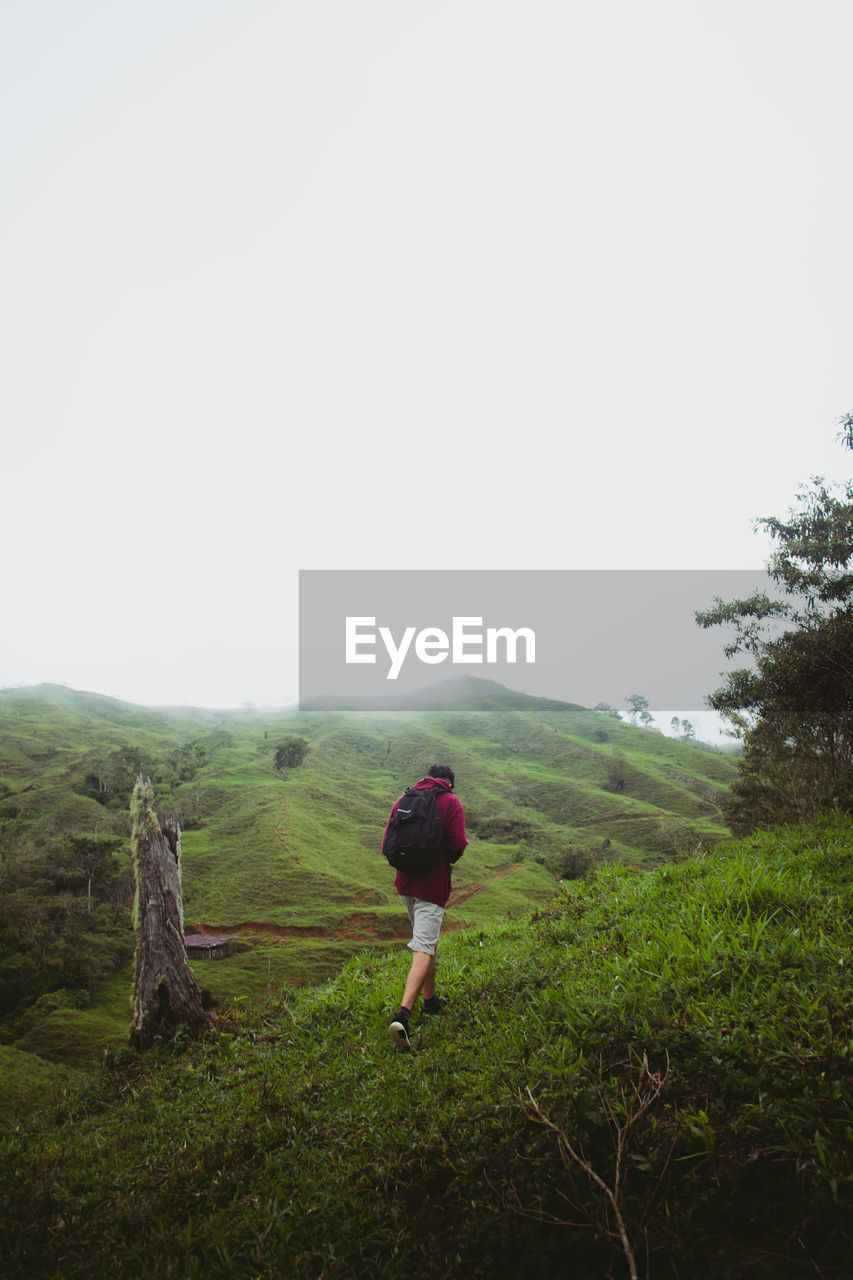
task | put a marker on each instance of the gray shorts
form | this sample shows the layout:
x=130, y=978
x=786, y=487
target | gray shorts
x=426, y=920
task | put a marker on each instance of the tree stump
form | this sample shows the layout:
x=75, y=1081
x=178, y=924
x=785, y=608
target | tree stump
x=166, y=992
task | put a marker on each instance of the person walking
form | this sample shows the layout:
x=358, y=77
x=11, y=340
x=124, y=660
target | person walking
x=425, y=895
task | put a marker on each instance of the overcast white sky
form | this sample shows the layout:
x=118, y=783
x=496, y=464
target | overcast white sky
x=338, y=284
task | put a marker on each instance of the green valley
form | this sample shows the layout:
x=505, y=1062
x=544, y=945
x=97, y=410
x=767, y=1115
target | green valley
x=290, y=861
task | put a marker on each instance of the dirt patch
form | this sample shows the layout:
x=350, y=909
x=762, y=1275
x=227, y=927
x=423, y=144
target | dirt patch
x=269, y=930
x=458, y=896
x=365, y=925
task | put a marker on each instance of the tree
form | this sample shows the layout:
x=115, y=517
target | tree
x=90, y=857
x=794, y=711
x=845, y=430
x=682, y=728
x=290, y=753
x=166, y=992
x=638, y=709
x=606, y=710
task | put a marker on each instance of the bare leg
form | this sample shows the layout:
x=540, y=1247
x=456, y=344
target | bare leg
x=429, y=981
x=421, y=976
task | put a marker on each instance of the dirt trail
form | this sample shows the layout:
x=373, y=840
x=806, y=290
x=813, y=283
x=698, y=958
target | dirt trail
x=458, y=896
x=280, y=833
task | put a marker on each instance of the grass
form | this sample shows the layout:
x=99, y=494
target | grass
x=668, y=1049
x=28, y=1082
x=72, y=1036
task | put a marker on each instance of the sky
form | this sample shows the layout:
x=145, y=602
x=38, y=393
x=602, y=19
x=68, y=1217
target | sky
x=471, y=285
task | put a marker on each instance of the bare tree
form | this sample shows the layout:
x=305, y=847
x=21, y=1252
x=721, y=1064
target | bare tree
x=166, y=992
x=623, y=1112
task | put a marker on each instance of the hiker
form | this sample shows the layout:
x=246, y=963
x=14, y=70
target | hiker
x=424, y=894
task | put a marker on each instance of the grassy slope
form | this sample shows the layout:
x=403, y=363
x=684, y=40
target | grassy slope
x=294, y=865
x=256, y=845
x=298, y=1144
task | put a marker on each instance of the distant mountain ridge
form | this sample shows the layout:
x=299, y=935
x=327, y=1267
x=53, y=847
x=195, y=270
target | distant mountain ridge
x=456, y=693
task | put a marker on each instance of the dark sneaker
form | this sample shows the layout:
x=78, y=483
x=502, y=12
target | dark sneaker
x=437, y=1004
x=399, y=1034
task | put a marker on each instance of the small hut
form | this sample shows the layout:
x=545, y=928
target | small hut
x=210, y=946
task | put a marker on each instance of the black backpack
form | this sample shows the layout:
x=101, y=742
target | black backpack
x=415, y=833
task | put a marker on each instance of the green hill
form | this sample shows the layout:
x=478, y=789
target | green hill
x=291, y=862
x=652, y=1065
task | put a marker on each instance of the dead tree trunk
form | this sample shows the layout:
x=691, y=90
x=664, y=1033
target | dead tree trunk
x=166, y=993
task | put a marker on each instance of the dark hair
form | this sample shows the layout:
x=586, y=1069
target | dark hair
x=442, y=771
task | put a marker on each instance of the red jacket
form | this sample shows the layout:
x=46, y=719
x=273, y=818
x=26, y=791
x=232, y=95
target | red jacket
x=434, y=885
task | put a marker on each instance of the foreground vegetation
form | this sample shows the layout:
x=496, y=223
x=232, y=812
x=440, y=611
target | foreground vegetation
x=653, y=1067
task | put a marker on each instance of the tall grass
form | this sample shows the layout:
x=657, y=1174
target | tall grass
x=653, y=1068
